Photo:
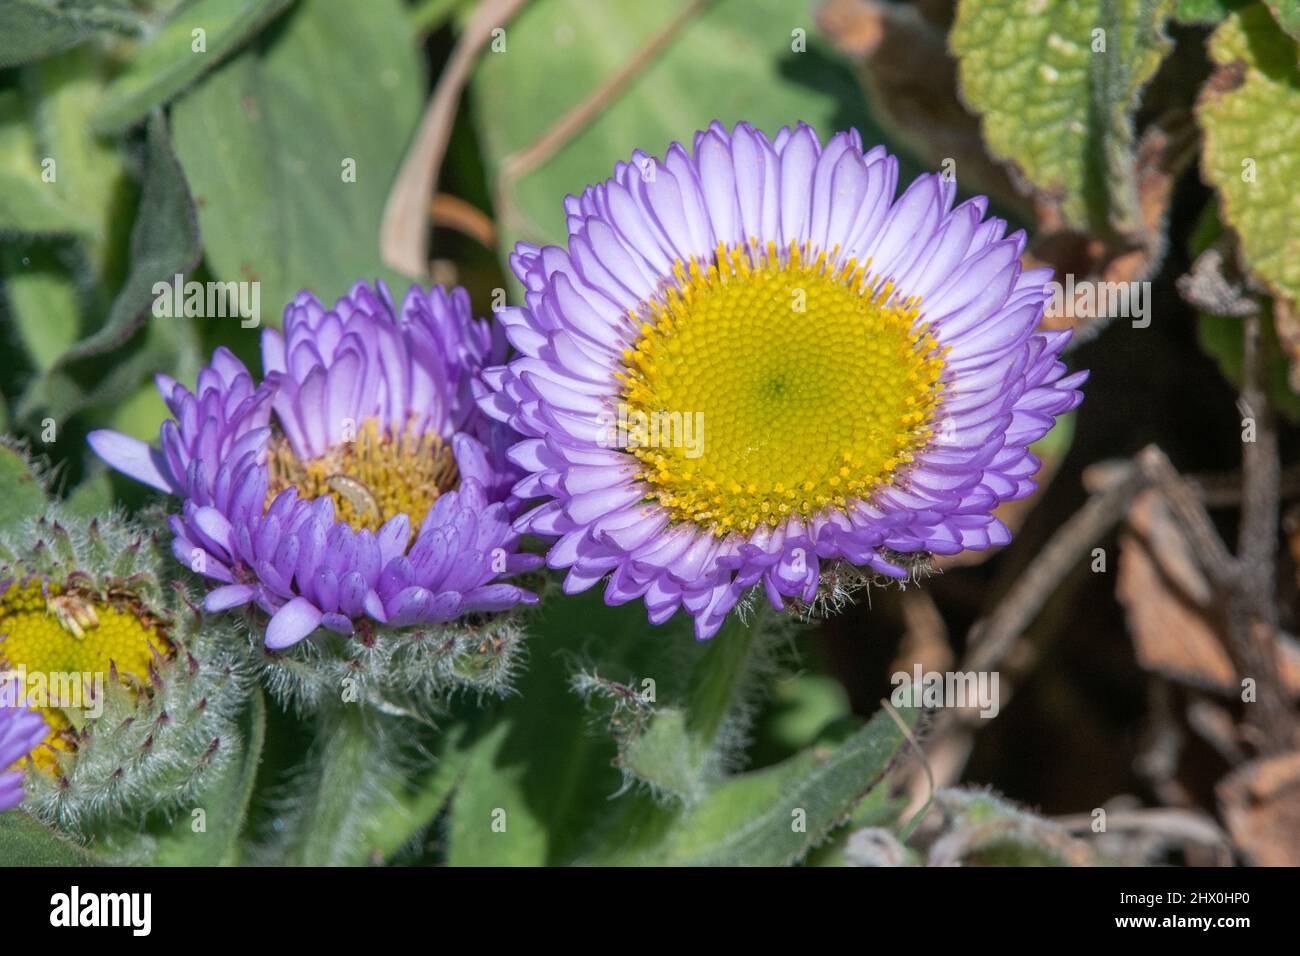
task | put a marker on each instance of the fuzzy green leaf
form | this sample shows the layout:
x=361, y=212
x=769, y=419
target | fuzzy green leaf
x=48, y=285
x=42, y=298
x=1060, y=111
x=774, y=816
x=24, y=842
x=543, y=767
x=412, y=808
x=224, y=805
x=164, y=242
x=91, y=172
x=168, y=63
x=1250, y=112
x=981, y=829
x=31, y=29
x=92, y=497
x=338, y=788
x=682, y=747
x=371, y=782
x=21, y=494
x=270, y=139
x=30, y=207
x=540, y=766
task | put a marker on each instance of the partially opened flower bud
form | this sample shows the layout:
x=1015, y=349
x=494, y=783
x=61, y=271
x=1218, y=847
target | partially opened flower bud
x=357, y=495
x=136, y=699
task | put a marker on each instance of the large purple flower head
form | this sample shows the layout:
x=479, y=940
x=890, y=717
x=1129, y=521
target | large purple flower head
x=752, y=359
x=357, y=485
x=22, y=730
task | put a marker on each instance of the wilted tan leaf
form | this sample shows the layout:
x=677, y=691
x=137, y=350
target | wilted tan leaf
x=1171, y=608
x=1166, y=601
x=1170, y=635
x=1260, y=802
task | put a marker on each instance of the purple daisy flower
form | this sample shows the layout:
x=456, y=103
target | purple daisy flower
x=21, y=731
x=753, y=359
x=304, y=494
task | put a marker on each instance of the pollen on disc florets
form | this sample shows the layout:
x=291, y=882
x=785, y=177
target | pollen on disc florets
x=811, y=381
x=380, y=474
x=65, y=640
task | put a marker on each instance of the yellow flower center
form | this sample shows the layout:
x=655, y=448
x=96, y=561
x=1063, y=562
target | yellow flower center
x=768, y=384
x=63, y=644
x=371, y=479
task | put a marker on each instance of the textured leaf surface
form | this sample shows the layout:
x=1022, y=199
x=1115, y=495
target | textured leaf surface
x=164, y=242
x=31, y=29
x=35, y=208
x=168, y=62
x=1250, y=112
x=773, y=817
x=21, y=495
x=551, y=761
x=50, y=285
x=264, y=141
x=1059, y=110
x=24, y=842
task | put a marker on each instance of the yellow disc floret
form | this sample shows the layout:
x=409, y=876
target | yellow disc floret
x=774, y=382
x=64, y=642
x=372, y=478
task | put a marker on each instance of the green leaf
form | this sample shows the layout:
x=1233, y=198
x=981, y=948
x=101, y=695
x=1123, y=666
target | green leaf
x=980, y=829
x=92, y=497
x=24, y=842
x=31, y=29
x=1060, y=111
x=48, y=285
x=338, y=789
x=682, y=747
x=494, y=819
x=371, y=782
x=774, y=816
x=168, y=62
x=1287, y=14
x=802, y=705
x=411, y=809
x=42, y=299
x=164, y=242
x=91, y=170
x=119, y=397
x=428, y=15
x=224, y=805
x=1222, y=337
x=269, y=140
x=21, y=494
x=1205, y=11
x=1250, y=114
x=30, y=207
x=540, y=768
x=734, y=61
x=544, y=765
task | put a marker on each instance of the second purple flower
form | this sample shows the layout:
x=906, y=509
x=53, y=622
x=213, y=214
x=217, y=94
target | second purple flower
x=358, y=484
